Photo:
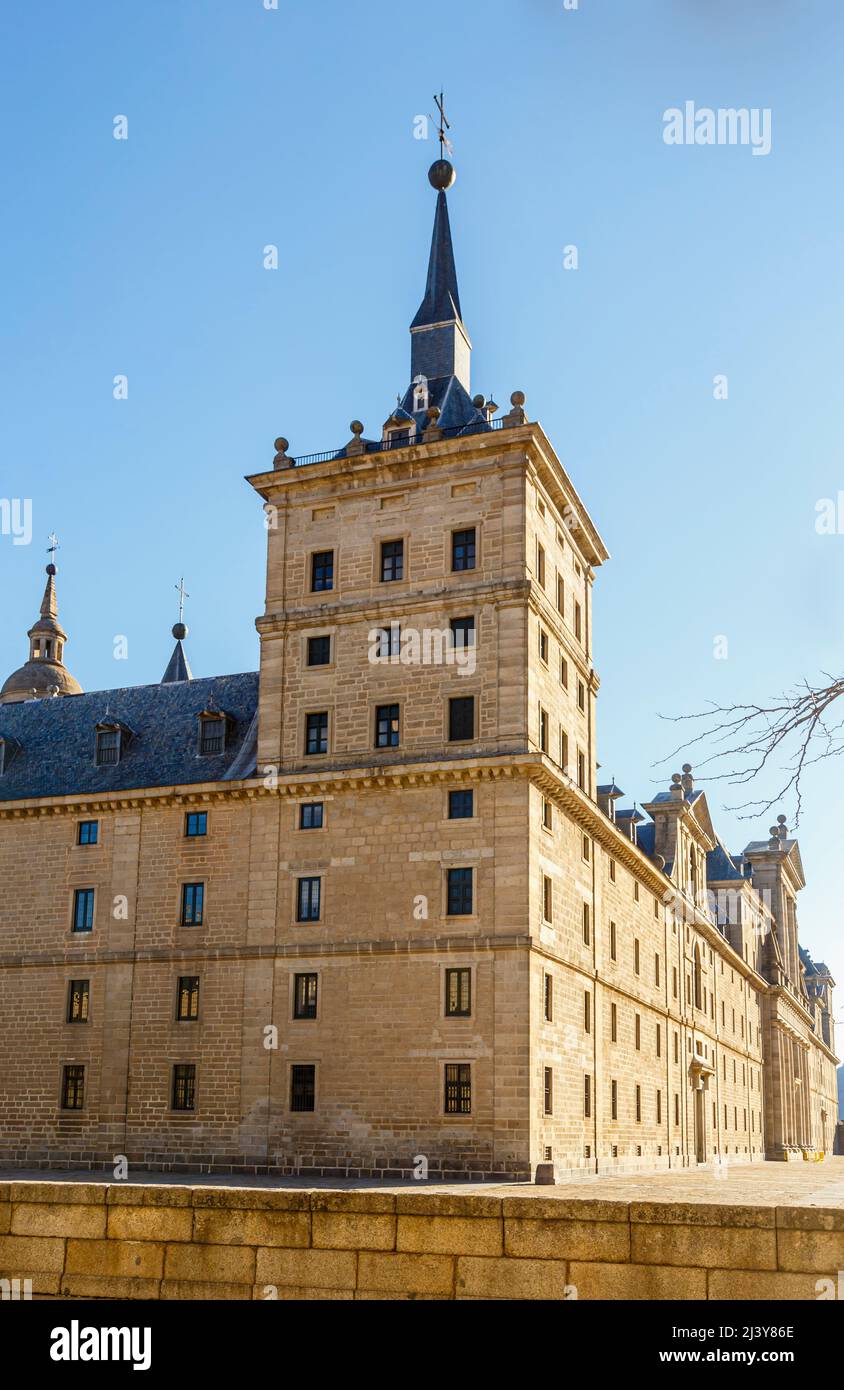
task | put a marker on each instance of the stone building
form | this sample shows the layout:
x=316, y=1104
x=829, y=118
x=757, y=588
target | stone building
x=369, y=909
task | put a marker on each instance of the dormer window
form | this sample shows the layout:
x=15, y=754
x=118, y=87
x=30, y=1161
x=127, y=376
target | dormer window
x=8, y=749
x=421, y=395
x=108, y=745
x=213, y=729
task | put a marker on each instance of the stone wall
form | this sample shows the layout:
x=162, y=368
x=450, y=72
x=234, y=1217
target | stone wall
x=91, y=1240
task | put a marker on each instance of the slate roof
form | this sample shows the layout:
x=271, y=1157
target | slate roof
x=56, y=738
x=442, y=300
x=720, y=865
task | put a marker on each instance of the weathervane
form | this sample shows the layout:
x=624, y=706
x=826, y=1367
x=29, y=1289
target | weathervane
x=443, y=126
x=52, y=547
x=183, y=594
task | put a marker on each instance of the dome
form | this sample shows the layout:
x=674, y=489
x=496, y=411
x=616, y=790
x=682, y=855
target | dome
x=44, y=674
x=38, y=676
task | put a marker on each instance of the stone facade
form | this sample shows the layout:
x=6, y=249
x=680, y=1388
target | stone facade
x=632, y=996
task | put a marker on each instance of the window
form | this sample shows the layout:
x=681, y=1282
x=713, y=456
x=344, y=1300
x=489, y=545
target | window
x=316, y=733
x=564, y=751
x=311, y=815
x=549, y=1091
x=319, y=651
x=547, y=898
x=658, y=1040
x=676, y=1109
x=461, y=805
x=184, y=1086
x=87, y=832
x=392, y=561
x=578, y=622
x=308, y=899
x=187, y=1008
x=458, y=993
x=547, y=815
x=676, y=1047
x=305, y=995
x=613, y=1100
x=462, y=633
x=108, y=747
x=388, y=641
x=461, y=718
x=73, y=1088
x=613, y=942
x=549, y=999
x=196, y=824
x=587, y=1012
x=587, y=933
x=193, y=901
x=659, y=1107
x=459, y=893
x=656, y=968
x=612, y=871
x=543, y=646
x=586, y=849
x=303, y=1088
x=636, y=955
x=458, y=1088
x=561, y=594
x=78, y=996
x=463, y=549
x=674, y=980
x=212, y=735
x=637, y=1031
x=387, y=726
x=564, y=673
x=587, y=1096
x=635, y=892
x=581, y=771
x=83, y=909
x=639, y=1103
x=540, y=564
x=322, y=571
x=543, y=729
x=581, y=695
x=613, y=1023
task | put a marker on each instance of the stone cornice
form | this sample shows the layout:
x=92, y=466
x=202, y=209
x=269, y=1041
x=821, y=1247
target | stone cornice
x=343, y=611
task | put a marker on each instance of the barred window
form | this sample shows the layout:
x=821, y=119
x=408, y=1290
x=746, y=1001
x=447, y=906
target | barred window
x=459, y=893
x=303, y=1088
x=305, y=995
x=108, y=747
x=78, y=995
x=193, y=901
x=549, y=1091
x=83, y=909
x=187, y=1008
x=458, y=993
x=73, y=1088
x=458, y=1088
x=184, y=1086
x=549, y=998
x=212, y=736
x=587, y=1097
x=308, y=899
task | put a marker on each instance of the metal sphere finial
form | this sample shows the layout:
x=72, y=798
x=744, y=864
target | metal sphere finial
x=180, y=632
x=442, y=174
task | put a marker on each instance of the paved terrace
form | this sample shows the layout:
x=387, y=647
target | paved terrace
x=749, y=1184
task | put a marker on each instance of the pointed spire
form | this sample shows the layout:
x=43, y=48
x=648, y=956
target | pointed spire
x=177, y=667
x=49, y=603
x=440, y=345
x=442, y=298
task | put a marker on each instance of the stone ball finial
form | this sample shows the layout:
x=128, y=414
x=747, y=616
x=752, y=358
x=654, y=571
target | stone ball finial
x=781, y=820
x=479, y=402
x=180, y=631
x=357, y=428
x=517, y=398
x=51, y=569
x=442, y=174
x=676, y=779
x=433, y=413
x=687, y=767
x=282, y=445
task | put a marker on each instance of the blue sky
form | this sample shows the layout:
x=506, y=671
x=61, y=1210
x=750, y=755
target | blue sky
x=294, y=127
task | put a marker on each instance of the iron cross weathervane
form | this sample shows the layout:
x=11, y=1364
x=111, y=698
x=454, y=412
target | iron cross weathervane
x=52, y=547
x=183, y=594
x=443, y=126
